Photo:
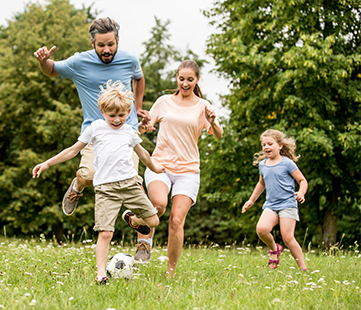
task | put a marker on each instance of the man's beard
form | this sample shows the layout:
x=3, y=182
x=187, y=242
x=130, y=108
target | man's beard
x=108, y=60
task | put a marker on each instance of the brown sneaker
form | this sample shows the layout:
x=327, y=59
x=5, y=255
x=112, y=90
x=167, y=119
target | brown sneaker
x=143, y=252
x=70, y=199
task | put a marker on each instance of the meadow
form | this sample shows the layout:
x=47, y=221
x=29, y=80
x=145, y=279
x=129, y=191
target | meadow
x=40, y=274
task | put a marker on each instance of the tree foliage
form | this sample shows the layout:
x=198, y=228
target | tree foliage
x=293, y=66
x=39, y=117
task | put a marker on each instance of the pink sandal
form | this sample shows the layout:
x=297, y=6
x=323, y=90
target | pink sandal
x=275, y=261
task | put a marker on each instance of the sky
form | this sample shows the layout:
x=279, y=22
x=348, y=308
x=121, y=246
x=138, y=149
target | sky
x=188, y=27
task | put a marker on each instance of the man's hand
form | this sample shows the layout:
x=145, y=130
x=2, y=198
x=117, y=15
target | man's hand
x=144, y=114
x=42, y=54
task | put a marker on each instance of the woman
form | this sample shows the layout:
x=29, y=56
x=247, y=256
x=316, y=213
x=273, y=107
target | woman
x=182, y=117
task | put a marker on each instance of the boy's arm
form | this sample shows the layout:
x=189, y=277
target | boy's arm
x=146, y=160
x=258, y=190
x=64, y=155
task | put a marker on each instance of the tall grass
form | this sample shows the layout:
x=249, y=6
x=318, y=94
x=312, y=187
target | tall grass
x=43, y=275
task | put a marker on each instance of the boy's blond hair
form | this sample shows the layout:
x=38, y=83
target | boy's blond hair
x=288, y=143
x=114, y=97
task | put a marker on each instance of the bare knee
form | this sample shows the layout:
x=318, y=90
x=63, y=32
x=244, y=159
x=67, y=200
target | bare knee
x=106, y=235
x=152, y=221
x=161, y=209
x=262, y=231
x=176, y=223
x=288, y=239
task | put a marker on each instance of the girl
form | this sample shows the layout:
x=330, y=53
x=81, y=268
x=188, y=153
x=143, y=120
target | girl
x=277, y=174
x=182, y=117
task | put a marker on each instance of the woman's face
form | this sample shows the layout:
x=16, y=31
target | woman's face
x=187, y=80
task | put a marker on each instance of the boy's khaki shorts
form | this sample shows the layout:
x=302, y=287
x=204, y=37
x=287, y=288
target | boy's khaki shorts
x=110, y=197
x=86, y=166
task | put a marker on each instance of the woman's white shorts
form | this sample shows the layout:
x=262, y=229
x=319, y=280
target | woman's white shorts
x=181, y=184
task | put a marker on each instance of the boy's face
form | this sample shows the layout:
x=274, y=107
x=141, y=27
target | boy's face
x=116, y=119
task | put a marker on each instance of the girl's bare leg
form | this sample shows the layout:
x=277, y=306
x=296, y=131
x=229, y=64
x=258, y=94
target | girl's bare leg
x=288, y=226
x=266, y=222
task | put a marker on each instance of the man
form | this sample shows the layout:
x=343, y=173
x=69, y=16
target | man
x=88, y=70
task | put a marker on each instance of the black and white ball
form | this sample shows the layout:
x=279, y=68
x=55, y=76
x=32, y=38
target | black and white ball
x=120, y=266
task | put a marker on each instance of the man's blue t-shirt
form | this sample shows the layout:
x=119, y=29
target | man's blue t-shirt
x=88, y=72
x=280, y=185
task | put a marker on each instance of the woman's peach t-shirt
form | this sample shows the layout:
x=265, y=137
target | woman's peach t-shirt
x=179, y=130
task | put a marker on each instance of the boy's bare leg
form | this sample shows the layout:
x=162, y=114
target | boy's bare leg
x=102, y=251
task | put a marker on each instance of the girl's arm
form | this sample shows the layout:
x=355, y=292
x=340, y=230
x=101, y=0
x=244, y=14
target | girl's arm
x=146, y=160
x=64, y=155
x=258, y=190
x=211, y=118
x=301, y=180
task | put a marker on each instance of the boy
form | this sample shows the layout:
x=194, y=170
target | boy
x=115, y=180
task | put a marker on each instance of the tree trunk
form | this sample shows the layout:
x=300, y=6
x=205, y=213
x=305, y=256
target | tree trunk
x=329, y=229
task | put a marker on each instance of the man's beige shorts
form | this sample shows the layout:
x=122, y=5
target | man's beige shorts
x=110, y=197
x=86, y=166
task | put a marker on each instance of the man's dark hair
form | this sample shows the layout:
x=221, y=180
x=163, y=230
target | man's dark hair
x=103, y=25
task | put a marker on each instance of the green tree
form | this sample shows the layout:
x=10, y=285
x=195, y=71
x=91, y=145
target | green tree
x=39, y=117
x=293, y=66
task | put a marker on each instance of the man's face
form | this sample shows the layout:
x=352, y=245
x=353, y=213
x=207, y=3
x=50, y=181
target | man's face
x=106, y=46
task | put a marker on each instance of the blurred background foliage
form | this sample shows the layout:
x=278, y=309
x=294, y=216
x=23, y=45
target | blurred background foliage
x=294, y=66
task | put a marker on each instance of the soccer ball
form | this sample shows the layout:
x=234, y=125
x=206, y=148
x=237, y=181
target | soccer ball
x=120, y=266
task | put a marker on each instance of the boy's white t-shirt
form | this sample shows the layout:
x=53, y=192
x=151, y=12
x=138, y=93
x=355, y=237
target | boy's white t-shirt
x=113, y=149
x=179, y=130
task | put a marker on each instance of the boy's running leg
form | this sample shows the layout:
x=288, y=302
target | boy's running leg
x=101, y=253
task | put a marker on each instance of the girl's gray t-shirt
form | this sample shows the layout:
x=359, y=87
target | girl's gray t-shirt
x=280, y=185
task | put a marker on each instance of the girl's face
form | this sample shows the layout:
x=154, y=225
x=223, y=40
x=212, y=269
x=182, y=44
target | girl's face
x=271, y=147
x=187, y=80
x=116, y=119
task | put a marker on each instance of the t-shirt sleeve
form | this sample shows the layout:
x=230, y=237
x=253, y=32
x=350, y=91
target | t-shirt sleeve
x=137, y=70
x=155, y=111
x=260, y=168
x=86, y=136
x=66, y=68
x=135, y=139
x=291, y=166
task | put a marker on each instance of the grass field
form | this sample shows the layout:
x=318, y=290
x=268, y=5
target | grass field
x=37, y=274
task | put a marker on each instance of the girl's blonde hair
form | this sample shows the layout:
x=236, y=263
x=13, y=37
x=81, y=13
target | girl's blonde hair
x=114, y=97
x=288, y=146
